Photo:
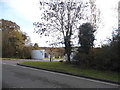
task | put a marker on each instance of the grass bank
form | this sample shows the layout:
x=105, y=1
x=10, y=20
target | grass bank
x=70, y=68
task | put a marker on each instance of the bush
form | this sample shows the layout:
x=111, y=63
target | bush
x=83, y=59
x=100, y=59
x=24, y=52
x=105, y=59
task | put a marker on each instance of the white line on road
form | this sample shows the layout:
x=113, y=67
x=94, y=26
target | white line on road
x=13, y=65
x=3, y=63
x=10, y=64
x=67, y=75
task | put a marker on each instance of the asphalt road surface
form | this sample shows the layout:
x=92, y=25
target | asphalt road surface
x=14, y=76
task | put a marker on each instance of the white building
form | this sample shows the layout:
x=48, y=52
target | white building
x=38, y=54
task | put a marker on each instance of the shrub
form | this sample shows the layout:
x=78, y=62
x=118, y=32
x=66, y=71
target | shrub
x=83, y=59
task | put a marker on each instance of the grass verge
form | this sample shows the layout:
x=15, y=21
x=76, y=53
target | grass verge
x=70, y=68
x=55, y=58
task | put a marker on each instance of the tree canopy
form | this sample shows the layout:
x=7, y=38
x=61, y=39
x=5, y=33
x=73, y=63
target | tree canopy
x=36, y=46
x=86, y=37
x=13, y=40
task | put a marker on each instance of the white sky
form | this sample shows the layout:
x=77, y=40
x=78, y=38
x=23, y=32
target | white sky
x=25, y=12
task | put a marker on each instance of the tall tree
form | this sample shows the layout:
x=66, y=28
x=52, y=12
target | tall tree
x=86, y=37
x=61, y=20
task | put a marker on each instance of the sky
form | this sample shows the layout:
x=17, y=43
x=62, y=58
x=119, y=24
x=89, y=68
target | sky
x=26, y=12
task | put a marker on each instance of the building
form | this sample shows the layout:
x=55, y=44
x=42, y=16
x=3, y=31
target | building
x=55, y=52
x=38, y=54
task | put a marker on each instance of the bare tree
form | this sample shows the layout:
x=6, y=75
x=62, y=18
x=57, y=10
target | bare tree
x=61, y=20
x=94, y=18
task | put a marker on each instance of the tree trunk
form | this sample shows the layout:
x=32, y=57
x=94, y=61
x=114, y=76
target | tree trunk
x=50, y=58
x=68, y=58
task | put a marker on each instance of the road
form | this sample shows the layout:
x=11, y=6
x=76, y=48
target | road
x=14, y=76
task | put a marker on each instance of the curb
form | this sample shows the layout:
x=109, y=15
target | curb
x=109, y=81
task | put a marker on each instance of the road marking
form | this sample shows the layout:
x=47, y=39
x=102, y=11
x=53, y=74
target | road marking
x=3, y=63
x=10, y=64
x=13, y=65
x=68, y=75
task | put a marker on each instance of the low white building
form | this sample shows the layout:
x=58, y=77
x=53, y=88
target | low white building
x=38, y=54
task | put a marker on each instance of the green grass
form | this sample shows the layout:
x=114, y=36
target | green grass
x=70, y=68
x=55, y=58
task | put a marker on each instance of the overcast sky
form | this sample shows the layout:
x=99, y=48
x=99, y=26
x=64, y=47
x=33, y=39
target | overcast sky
x=25, y=12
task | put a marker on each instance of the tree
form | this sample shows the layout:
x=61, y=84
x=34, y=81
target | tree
x=61, y=20
x=115, y=50
x=86, y=37
x=94, y=18
x=13, y=40
x=36, y=46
